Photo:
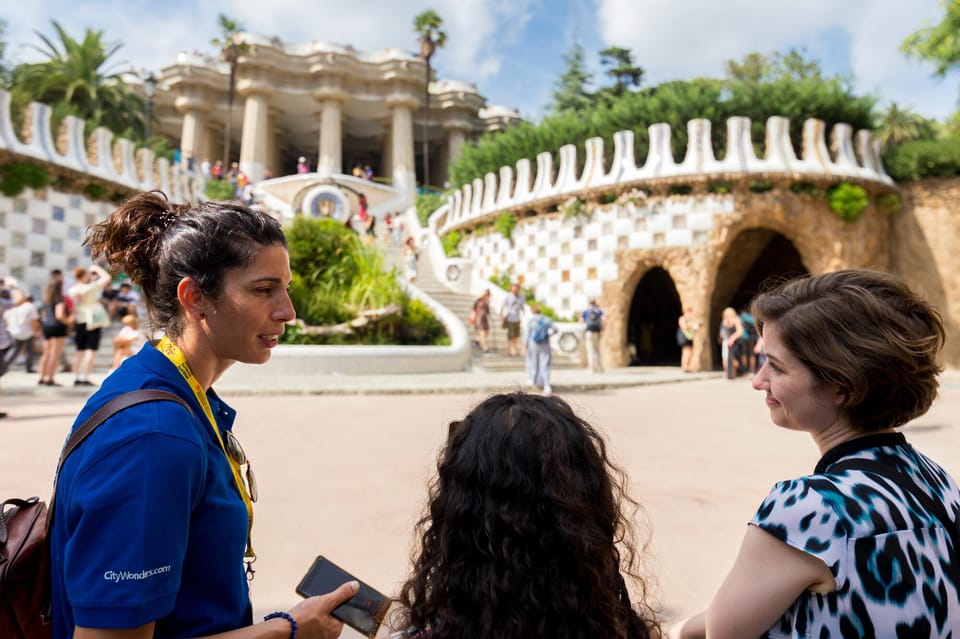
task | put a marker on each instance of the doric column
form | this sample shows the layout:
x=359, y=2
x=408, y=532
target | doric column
x=254, y=142
x=456, y=136
x=193, y=133
x=401, y=134
x=330, y=158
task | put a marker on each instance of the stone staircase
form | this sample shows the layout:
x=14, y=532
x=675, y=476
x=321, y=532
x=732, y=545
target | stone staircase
x=460, y=304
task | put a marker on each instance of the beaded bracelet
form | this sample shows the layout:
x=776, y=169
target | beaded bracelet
x=288, y=617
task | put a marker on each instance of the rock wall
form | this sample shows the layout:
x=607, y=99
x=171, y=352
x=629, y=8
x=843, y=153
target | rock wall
x=924, y=250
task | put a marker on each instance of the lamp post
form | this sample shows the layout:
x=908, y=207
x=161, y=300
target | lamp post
x=149, y=90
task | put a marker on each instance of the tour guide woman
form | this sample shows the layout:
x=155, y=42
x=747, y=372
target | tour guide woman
x=152, y=520
x=866, y=546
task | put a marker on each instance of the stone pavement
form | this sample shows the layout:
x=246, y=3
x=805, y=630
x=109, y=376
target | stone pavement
x=345, y=475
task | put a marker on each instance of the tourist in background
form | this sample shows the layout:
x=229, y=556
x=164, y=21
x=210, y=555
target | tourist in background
x=481, y=320
x=487, y=564
x=6, y=342
x=159, y=492
x=866, y=545
x=90, y=318
x=56, y=321
x=511, y=314
x=302, y=166
x=687, y=327
x=731, y=330
x=593, y=321
x=748, y=342
x=409, y=257
x=537, y=350
x=128, y=341
x=23, y=323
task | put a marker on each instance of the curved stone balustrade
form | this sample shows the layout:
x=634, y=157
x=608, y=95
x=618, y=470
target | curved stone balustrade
x=114, y=161
x=857, y=158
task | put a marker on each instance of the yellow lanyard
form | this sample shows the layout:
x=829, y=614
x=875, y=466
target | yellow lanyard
x=178, y=359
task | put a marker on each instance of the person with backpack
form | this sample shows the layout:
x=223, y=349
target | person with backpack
x=153, y=517
x=593, y=321
x=536, y=349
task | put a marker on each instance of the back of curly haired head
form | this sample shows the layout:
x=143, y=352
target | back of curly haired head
x=524, y=535
x=158, y=244
x=867, y=333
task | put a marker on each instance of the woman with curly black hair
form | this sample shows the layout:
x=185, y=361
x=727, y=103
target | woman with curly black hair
x=525, y=534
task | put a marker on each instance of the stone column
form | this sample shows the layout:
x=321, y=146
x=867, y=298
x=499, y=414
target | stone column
x=254, y=143
x=330, y=159
x=193, y=132
x=401, y=133
x=456, y=136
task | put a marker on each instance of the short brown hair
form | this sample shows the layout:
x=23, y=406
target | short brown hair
x=866, y=332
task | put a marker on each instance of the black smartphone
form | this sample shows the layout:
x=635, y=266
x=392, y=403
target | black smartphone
x=364, y=612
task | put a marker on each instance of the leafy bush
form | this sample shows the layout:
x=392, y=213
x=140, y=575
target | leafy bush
x=94, y=191
x=504, y=224
x=679, y=189
x=17, y=176
x=720, y=187
x=759, y=186
x=573, y=208
x=336, y=279
x=219, y=190
x=808, y=188
x=888, y=203
x=848, y=200
x=427, y=203
x=451, y=243
x=924, y=158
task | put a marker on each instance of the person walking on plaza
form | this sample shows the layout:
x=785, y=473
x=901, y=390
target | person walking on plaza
x=511, y=314
x=57, y=320
x=410, y=255
x=91, y=317
x=687, y=327
x=868, y=544
x=6, y=342
x=163, y=491
x=731, y=330
x=536, y=348
x=593, y=321
x=23, y=323
x=481, y=320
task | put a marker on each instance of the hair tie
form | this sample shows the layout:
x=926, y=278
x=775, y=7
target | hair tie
x=166, y=219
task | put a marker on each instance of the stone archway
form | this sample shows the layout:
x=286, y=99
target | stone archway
x=754, y=259
x=652, y=322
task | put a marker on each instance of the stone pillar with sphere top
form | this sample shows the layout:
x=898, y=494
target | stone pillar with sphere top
x=254, y=142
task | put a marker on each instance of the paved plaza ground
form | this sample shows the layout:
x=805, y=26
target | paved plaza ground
x=344, y=474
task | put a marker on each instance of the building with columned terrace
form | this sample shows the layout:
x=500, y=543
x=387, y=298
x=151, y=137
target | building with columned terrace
x=332, y=104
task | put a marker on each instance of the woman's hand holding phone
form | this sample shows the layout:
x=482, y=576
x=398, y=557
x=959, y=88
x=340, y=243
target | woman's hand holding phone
x=314, y=620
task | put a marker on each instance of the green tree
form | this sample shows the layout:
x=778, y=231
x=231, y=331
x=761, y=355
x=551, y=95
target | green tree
x=75, y=80
x=621, y=68
x=938, y=43
x=427, y=26
x=231, y=46
x=755, y=67
x=570, y=91
x=894, y=126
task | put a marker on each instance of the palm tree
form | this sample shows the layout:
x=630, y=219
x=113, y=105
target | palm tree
x=895, y=126
x=75, y=80
x=427, y=26
x=231, y=47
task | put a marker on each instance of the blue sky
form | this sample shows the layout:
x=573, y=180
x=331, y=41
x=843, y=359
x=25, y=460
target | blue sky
x=512, y=49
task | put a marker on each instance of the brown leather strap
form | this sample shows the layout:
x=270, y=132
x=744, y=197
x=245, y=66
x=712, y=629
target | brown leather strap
x=108, y=410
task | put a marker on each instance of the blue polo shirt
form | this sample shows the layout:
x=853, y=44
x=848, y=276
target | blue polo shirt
x=148, y=524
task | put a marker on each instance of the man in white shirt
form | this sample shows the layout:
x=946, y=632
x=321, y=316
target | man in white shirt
x=23, y=323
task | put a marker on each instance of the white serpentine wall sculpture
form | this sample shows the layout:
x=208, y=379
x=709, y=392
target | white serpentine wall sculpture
x=112, y=161
x=852, y=157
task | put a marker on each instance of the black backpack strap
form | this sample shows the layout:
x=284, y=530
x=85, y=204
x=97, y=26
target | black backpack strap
x=892, y=474
x=102, y=414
